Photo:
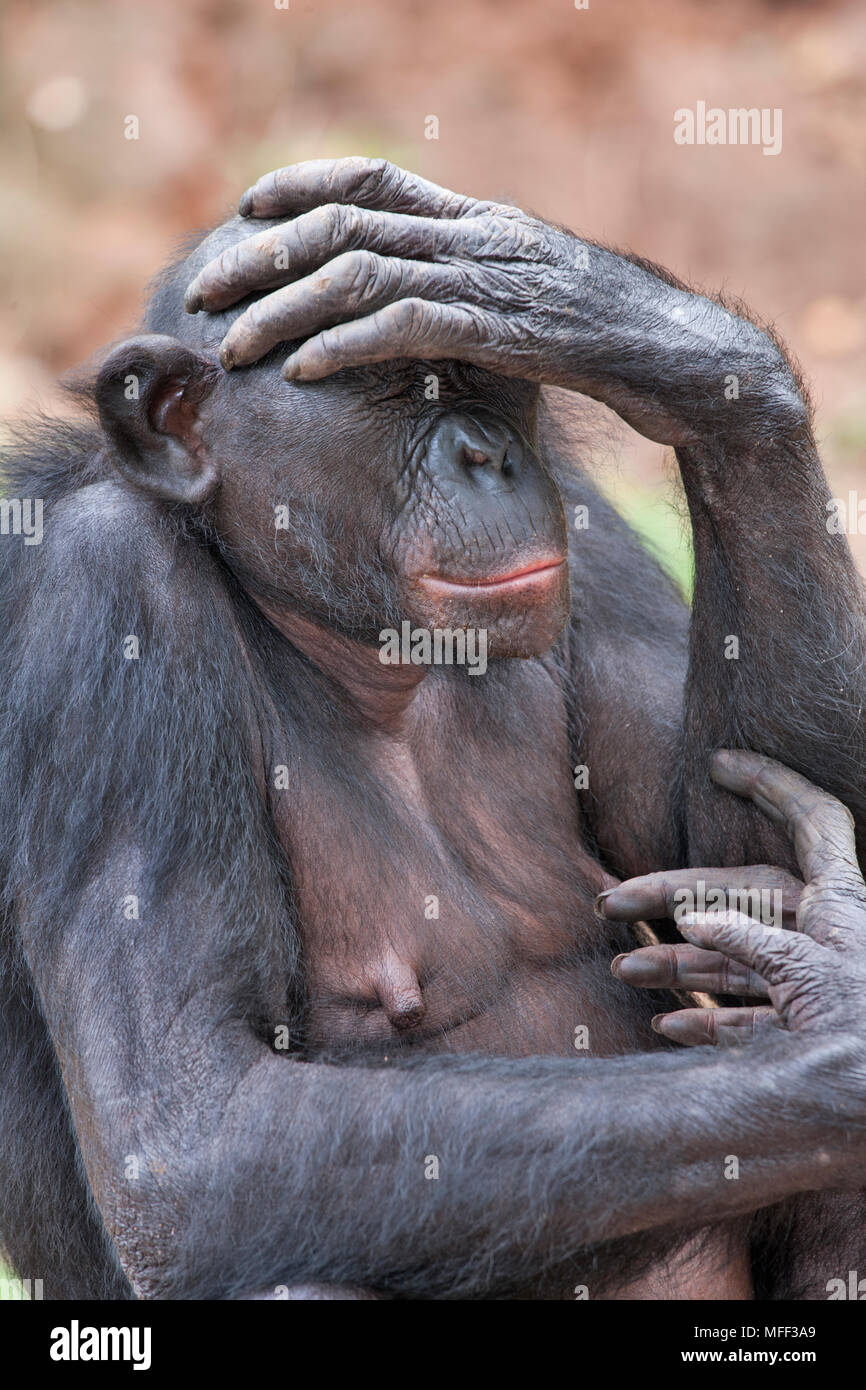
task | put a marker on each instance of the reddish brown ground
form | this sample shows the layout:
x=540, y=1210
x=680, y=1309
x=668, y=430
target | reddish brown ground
x=565, y=111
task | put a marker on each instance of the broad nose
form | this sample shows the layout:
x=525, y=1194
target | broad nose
x=487, y=452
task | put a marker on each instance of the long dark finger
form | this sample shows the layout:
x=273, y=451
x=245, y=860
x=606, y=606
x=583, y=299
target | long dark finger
x=821, y=828
x=717, y=1027
x=368, y=183
x=281, y=254
x=758, y=890
x=688, y=967
x=355, y=284
x=769, y=951
x=408, y=328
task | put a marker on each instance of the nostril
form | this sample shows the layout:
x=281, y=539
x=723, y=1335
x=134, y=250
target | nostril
x=484, y=453
x=474, y=458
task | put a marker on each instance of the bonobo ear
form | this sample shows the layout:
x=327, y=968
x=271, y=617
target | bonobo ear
x=149, y=392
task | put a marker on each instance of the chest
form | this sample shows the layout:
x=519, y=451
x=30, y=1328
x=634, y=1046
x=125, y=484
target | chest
x=444, y=892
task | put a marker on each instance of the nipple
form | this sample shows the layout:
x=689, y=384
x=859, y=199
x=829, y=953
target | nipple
x=399, y=992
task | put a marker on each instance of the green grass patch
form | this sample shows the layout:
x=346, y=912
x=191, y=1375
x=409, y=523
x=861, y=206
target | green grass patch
x=655, y=515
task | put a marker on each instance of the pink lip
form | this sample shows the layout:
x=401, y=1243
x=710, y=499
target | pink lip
x=525, y=578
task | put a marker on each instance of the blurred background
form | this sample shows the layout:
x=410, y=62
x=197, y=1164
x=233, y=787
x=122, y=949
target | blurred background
x=565, y=111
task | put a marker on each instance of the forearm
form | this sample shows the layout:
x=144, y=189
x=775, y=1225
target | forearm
x=678, y=366
x=330, y=1167
x=778, y=631
x=778, y=637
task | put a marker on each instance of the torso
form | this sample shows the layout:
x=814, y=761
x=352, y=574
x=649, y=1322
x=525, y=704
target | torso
x=451, y=907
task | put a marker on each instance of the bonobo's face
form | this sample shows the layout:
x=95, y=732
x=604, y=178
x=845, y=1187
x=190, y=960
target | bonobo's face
x=401, y=491
x=357, y=499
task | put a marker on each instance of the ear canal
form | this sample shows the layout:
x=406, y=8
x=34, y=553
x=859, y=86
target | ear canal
x=149, y=393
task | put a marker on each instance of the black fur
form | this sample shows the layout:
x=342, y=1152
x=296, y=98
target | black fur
x=168, y=755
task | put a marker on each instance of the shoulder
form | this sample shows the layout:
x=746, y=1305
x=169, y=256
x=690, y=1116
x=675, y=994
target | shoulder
x=110, y=523
x=120, y=605
x=112, y=560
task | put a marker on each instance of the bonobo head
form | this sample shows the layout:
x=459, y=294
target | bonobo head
x=401, y=491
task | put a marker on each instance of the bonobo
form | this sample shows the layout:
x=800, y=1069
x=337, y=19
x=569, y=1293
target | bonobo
x=304, y=990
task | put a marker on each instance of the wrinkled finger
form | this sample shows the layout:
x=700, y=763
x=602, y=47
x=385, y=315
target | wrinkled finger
x=759, y=890
x=688, y=967
x=717, y=1027
x=281, y=254
x=821, y=828
x=771, y=952
x=368, y=183
x=354, y=285
x=409, y=328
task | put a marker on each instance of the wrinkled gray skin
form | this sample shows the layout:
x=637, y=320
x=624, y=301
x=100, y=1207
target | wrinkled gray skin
x=263, y=1170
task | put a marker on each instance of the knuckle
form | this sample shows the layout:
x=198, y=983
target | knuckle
x=332, y=343
x=728, y=933
x=229, y=262
x=328, y=217
x=793, y=958
x=811, y=808
x=659, y=883
x=346, y=220
x=326, y=221
x=372, y=176
x=356, y=272
x=279, y=180
x=671, y=963
x=833, y=822
x=833, y=900
x=253, y=326
x=362, y=166
x=270, y=245
x=408, y=317
x=833, y=918
x=840, y=884
x=252, y=318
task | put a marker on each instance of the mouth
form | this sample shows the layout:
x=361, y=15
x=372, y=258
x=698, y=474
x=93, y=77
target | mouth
x=544, y=573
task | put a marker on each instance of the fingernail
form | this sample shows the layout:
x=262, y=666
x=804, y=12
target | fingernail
x=635, y=969
x=657, y=1021
x=227, y=358
x=616, y=962
x=245, y=206
x=291, y=371
x=596, y=906
x=192, y=300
